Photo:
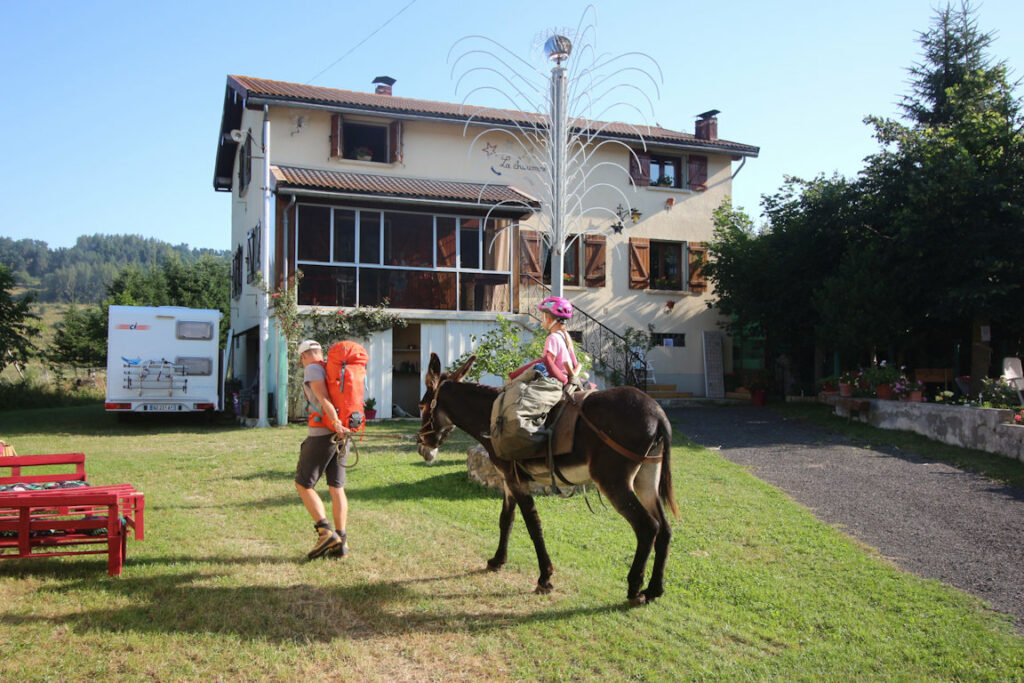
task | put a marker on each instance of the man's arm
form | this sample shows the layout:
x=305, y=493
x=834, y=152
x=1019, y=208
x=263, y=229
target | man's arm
x=319, y=388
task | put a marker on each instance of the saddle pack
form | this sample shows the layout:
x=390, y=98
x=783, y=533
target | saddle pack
x=519, y=413
x=346, y=380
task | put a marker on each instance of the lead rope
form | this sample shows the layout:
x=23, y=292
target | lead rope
x=339, y=439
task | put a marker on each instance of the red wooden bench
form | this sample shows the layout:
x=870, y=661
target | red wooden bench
x=65, y=521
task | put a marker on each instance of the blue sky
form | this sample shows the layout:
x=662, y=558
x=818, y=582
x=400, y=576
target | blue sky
x=110, y=111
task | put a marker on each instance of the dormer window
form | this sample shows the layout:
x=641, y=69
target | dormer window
x=365, y=140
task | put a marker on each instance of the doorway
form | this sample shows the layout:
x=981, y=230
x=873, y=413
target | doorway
x=405, y=378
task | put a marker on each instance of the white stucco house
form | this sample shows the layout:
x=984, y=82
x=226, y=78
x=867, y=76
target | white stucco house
x=374, y=196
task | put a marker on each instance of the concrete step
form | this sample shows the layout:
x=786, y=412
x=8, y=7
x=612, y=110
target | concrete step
x=669, y=394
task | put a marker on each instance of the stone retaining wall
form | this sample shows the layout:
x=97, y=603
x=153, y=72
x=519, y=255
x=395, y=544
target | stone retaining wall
x=480, y=470
x=984, y=429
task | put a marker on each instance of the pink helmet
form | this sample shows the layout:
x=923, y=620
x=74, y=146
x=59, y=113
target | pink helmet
x=556, y=306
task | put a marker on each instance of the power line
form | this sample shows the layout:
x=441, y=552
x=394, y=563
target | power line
x=357, y=45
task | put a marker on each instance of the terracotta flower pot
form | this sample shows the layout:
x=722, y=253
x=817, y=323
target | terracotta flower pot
x=884, y=392
x=845, y=390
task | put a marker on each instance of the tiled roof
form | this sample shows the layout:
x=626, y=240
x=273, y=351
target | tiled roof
x=260, y=87
x=395, y=186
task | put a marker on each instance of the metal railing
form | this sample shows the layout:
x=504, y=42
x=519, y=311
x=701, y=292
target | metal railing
x=608, y=350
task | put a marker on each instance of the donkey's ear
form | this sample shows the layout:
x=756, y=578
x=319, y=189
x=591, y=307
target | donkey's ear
x=461, y=372
x=433, y=371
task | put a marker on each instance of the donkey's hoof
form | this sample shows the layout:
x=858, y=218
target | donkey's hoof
x=543, y=588
x=493, y=565
x=640, y=599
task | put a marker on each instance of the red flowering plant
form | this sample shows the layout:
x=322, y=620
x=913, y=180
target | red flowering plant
x=903, y=387
x=1018, y=417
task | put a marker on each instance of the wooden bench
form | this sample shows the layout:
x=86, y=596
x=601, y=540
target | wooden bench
x=941, y=376
x=65, y=521
x=848, y=407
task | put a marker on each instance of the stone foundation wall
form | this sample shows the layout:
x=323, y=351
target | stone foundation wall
x=984, y=429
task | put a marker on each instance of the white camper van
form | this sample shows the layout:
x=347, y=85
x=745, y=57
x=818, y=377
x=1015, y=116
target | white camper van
x=163, y=359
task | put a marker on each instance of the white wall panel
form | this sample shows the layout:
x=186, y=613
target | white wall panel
x=378, y=371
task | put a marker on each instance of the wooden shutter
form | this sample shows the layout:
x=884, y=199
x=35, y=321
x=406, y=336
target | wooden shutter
x=639, y=263
x=593, y=260
x=446, y=250
x=529, y=254
x=640, y=168
x=395, y=140
x=697, y=172
x=696, y=252
x=337, y=144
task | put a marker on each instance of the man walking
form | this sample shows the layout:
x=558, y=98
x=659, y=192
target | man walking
x=320, y=456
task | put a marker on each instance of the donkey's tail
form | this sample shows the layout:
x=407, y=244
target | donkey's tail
x=665, y=485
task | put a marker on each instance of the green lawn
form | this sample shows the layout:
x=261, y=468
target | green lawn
x=756, y=587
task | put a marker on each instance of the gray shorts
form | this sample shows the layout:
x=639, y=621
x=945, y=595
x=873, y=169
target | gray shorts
x=320, y=457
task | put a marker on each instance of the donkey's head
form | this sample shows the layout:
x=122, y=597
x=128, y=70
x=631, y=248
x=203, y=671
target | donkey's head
x=435, y=425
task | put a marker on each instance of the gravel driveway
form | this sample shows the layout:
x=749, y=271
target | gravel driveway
x=928, y=517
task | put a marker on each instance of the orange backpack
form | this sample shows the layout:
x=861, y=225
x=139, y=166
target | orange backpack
x=346, y=376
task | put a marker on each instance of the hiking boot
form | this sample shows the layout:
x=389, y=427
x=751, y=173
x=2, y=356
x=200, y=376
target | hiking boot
x=339, y=551
x=327, y=540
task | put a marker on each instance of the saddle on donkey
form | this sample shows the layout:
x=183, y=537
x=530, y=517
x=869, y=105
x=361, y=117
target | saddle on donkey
x=528, y=412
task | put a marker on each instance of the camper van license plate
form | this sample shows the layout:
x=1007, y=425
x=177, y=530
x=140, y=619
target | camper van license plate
x=164, y=407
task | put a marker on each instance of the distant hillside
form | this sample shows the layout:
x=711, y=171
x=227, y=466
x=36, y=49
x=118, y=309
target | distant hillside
x=81, y=273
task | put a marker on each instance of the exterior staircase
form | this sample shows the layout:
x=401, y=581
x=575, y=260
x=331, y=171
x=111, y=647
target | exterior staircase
x=666, y=391
x=610, y=352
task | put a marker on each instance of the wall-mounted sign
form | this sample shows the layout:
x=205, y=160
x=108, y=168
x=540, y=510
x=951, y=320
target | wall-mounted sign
x=504, y=161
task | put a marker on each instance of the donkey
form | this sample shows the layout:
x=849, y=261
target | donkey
x=630, y=421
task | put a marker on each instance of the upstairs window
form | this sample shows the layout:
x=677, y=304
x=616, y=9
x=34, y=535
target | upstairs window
x=669, y=266
x=236, y=273
x=366, y=141
x=666, y=265
x=244, y=165
x=665, y=171
x=252, y=254
x=661, y=170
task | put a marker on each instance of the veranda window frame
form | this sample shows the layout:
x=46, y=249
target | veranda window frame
x=458, y=269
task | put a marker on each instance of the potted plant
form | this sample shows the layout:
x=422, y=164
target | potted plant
x=847, y=381
x=370, y=408
x=881, y=378
x=665, y=283
x=908, y=390
x=830, y=384
x=758, y=385
x=364, y=154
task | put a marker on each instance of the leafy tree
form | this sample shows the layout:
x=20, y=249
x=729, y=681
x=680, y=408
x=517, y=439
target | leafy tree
x=81, y=338
x=765, y=282
x=915, y=251
x=950, y=185
x=16, y=328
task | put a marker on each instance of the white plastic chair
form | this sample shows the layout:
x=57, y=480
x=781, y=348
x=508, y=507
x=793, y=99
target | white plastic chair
x=1012, y=374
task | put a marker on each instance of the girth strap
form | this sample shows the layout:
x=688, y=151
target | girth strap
x=621, y=450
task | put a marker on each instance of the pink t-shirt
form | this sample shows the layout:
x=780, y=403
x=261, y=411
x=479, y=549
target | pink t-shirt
x=555, y=348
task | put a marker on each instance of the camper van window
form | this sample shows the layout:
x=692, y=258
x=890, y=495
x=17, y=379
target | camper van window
x=195, y=366
x=194, y=330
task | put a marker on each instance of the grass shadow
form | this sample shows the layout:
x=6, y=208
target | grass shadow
x=299, y=613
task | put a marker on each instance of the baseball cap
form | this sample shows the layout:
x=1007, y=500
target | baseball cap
x=308, y=345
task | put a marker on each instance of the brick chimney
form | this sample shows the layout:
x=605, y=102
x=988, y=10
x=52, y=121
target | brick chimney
x=706, y=127
x=384, y=84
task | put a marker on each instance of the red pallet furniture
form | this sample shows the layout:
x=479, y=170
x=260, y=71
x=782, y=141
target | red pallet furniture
x=71, y=521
